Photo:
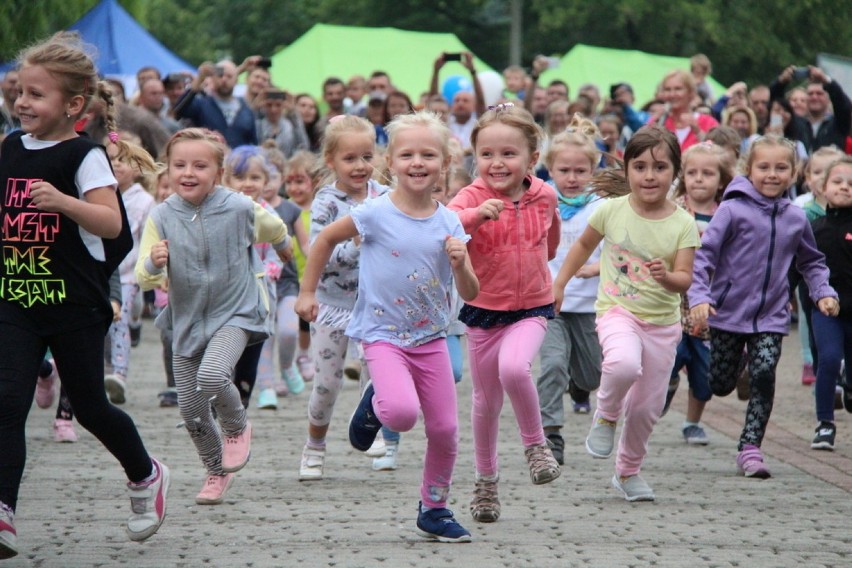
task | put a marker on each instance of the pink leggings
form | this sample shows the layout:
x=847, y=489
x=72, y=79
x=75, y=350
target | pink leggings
x=637, y=362
x=407, y=380
x=501, y=359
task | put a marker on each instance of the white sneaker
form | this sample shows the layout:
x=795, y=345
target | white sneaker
x=377, y=450
x=313, y=461
x=388, y=461
x=115, y=387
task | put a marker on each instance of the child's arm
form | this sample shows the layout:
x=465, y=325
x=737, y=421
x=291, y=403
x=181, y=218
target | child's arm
x=472, y=214
x=153, y=256
x=321, y=249
x=466, y=281
x=301, y=235
x=554, y=234
x=270, y=228
x=679, y=278
x=580, y=252
x=97, y=212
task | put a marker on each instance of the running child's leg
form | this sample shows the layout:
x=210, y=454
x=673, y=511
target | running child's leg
x=764, y=353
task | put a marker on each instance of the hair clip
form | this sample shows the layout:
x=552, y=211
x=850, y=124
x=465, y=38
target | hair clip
x=501, y=107
x=113, y=136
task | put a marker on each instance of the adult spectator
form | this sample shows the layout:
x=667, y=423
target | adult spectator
x=826, y=128
x=379, y=81
x=175, y=85
x=557, y=90
x=333, y=94
x=218, y=109
x=152, y=97
x=690, y=127
x=306, y=106
x=257, y=83
x=281, y=123
x=758, y=102
x=466, y=106
x=591, y=92
x=8, y=119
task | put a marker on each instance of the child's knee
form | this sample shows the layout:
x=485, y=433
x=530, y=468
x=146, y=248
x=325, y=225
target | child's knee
x=398, y=418
x=622, y=367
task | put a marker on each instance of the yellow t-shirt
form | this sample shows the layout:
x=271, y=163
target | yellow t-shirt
x=298, y=254
x=630, y=241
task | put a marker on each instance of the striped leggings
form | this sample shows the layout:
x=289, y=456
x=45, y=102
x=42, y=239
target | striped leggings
x=204, y=379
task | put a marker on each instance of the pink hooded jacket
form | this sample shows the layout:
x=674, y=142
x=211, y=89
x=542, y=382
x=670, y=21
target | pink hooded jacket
x=510, y=255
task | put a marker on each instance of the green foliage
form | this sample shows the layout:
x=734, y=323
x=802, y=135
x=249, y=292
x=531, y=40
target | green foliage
x=745, y=40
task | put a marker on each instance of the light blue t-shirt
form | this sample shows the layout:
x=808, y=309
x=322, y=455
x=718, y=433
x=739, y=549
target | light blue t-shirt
x=405, y=274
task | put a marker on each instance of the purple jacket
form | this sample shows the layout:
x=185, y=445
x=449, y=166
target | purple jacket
x=746, y=251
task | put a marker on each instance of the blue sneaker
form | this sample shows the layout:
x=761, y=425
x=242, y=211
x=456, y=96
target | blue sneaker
x=364, y=425
x=440, y=525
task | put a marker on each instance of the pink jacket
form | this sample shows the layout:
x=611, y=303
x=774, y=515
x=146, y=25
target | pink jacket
x=510, y=255
x=705, y=124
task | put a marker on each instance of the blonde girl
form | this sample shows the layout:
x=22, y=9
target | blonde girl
x=706, y=172
x=412, y=250
x=348, y=147
x=753, y=238
x=218, y=302
x=570, y=353
x=55, y=279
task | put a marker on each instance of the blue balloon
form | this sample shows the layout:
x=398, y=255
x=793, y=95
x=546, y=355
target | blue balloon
x=454, y=84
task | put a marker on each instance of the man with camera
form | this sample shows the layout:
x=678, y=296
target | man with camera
x=826, y=128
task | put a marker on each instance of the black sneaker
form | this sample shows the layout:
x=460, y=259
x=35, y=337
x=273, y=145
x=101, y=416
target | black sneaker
x=847, y=395
x=557, y=446
x=135, y=335
x=168, y=398
x=364, y=424
x=440, y=525
x=824, y=439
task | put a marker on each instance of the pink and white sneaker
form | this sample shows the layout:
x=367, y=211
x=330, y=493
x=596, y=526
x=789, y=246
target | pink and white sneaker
x=750, y=463
x=236, y=450
x=63, y=431
x=8, y=534
x=148, y=504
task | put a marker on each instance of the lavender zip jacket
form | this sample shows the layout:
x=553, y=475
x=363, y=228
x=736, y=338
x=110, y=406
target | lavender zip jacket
x=746, y=251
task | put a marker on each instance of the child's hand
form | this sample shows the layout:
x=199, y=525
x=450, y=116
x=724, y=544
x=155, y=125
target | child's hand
x=589, y=270
x=160, y=253
x=657, y=268
x=307, y=306
x=46, y=197
x=558, y=296
x=286, y=254
x=829, y=306
x=490, y=209
x=456, y=250
x=116, y=310
x=699, y=315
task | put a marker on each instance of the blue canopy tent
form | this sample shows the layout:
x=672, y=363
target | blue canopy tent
x=123, y=45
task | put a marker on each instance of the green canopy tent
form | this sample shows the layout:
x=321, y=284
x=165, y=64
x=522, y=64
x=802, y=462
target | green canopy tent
x=342, y=51
x=605, y=66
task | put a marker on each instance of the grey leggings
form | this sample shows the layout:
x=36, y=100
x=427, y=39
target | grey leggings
x=763, y=354
x=203, y=379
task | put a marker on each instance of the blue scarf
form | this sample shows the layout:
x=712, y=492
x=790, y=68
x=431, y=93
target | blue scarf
x=570, y=206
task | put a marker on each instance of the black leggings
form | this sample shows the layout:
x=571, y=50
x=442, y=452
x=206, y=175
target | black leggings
x=79, y=360
x=763, y=354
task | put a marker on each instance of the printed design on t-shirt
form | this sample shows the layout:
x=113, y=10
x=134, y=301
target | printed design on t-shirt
x=421, y=309
x=630, y=269
x=27, y=234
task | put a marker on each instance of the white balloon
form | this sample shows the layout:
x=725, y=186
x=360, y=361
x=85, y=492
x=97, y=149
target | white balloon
x=492, y=86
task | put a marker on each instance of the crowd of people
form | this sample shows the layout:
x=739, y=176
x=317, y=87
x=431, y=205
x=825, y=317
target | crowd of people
x=277, y=245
